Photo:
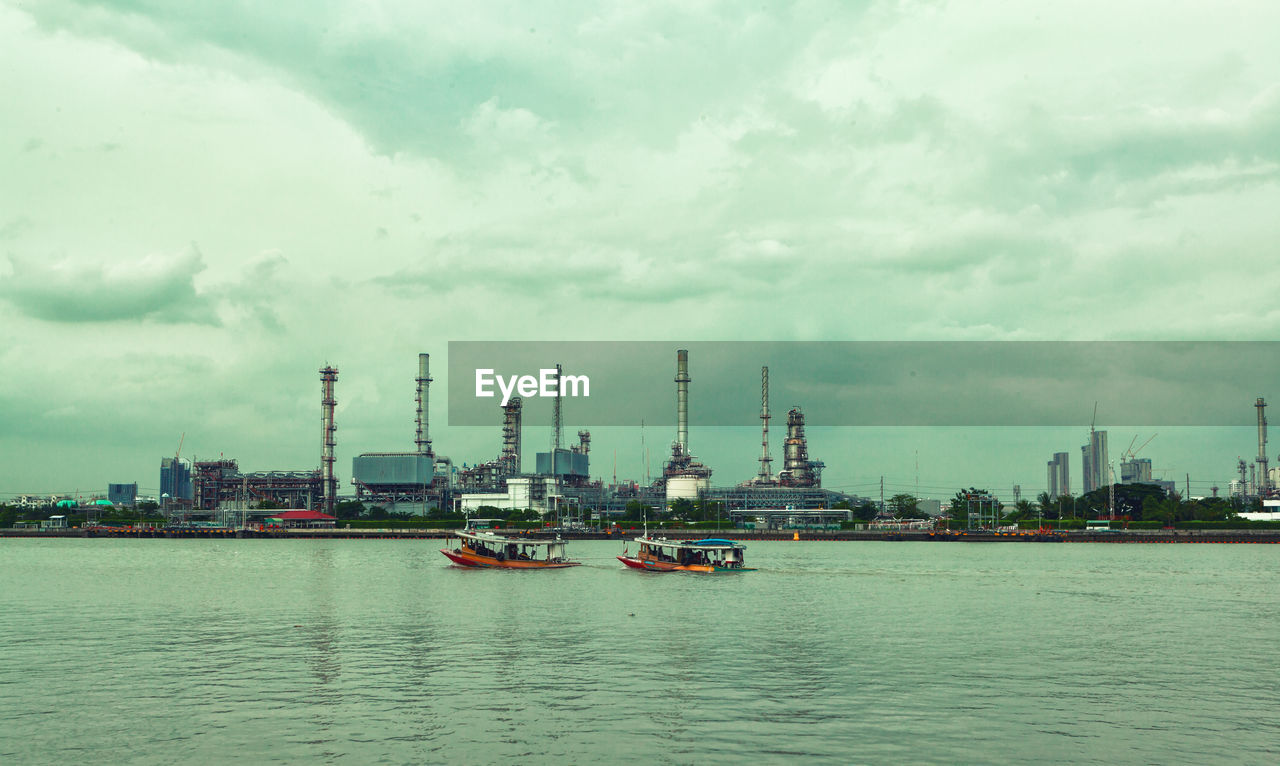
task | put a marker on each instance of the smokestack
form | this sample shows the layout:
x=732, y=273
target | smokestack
x=423, y=440
x=328, y=376
x=1264, y=478
x=766, y=462
x=682, y=400
x=511, y=434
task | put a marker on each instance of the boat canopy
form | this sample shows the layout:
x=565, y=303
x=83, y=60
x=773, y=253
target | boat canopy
x=700, y=544
x=489, y=537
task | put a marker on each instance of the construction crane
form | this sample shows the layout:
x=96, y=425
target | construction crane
x=1130, y=453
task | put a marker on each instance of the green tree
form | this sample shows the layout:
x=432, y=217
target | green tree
x=8, y=516
x=349, y=509
x=960, y=506
x=682, y=508
x=905, y=506
x=865, y=511
x=1021, y=511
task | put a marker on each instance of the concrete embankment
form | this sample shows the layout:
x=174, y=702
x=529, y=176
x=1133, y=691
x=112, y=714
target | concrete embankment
x=1142, y=536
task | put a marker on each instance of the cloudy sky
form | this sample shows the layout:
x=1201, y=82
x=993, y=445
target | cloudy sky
x=201, y=204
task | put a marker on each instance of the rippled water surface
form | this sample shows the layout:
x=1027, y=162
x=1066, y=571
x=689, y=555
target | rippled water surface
x=361, y=651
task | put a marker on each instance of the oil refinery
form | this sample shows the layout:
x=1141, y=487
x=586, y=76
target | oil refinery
x=420, y=479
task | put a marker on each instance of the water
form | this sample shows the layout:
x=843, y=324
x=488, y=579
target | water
x=360, y=651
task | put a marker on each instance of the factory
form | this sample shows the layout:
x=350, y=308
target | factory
x=418, y=478
x=421, y=479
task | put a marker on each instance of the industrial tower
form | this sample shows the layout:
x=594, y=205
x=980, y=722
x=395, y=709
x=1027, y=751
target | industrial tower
x=1264, y=478
x=328, y=376
x=423, y=439
x=766, y=462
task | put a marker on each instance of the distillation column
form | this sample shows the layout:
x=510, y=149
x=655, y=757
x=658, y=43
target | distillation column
x=328, y=376
x=511, y=434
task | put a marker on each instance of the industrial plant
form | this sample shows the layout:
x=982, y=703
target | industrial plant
x=559, y=483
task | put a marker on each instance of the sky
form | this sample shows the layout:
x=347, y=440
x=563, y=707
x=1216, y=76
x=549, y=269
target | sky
x=202, y=204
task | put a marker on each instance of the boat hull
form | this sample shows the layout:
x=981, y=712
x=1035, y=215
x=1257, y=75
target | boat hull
x=463, y=558
x=663, y=566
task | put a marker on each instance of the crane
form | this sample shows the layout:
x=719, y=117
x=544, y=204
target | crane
x=1130, y=453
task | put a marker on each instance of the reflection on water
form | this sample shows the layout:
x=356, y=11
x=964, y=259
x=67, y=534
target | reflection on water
x=163, y=651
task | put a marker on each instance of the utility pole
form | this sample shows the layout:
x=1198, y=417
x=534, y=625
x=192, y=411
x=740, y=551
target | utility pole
x=882, y=494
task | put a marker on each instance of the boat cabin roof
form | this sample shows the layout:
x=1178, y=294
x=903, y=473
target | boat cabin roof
x=495, y=539
x=698, y=544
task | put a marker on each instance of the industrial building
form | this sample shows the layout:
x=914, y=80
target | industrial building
x=683, y=477
x=418, y=478
x=219, y=484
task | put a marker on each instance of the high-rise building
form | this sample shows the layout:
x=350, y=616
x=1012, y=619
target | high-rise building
x=175, y=479
x=1096, y=466
x=122, y=494
x=1059, y=475
x=1135, y=471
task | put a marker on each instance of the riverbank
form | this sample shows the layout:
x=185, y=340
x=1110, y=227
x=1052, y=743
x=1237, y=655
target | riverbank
x=1132, y=536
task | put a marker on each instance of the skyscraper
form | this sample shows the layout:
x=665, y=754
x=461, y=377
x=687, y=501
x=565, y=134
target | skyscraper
x=175, y=479
x=1059, y=475
x=1096, y=465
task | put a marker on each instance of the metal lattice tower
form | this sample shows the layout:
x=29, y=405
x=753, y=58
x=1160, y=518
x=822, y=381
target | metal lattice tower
x=328, y=376
x=766, y=462
x=1264, y=478
x=511, y=417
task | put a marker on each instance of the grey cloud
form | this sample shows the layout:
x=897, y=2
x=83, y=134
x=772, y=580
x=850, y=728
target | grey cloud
x=157, y=288
x=257, y=291
x=15, y=227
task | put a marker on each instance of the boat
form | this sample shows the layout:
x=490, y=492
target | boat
x=710, y=555
x=478, y=548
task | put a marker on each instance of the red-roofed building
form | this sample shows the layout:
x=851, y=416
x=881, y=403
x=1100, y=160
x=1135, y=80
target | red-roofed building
x=303, y=519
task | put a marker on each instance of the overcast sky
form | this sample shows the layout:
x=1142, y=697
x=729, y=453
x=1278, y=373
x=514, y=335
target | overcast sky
x=201, y=204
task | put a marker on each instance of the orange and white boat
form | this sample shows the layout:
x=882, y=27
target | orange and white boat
x=663, y=555
x=488, y=549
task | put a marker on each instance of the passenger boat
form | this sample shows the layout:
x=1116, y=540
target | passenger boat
x=488, y=549
x=663, y=555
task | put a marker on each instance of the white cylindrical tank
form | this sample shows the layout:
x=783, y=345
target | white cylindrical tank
x=689, y=487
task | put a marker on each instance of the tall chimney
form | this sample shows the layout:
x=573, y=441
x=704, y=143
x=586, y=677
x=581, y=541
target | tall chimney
x=328, y=376
x=682, y=400
x=423, y=439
